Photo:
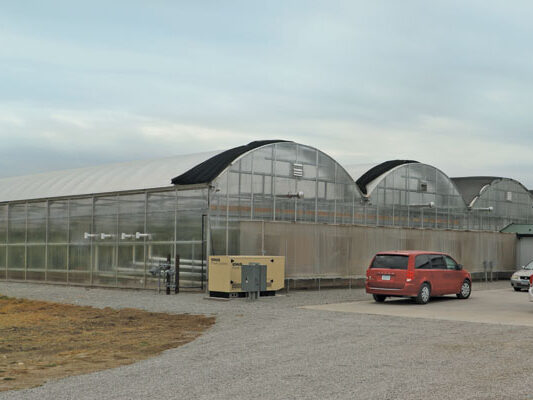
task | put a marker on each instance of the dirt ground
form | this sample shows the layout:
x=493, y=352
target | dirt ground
x=41, y=340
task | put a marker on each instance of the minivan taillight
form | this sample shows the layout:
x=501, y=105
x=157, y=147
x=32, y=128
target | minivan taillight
x=410, y=275
x=531, y=280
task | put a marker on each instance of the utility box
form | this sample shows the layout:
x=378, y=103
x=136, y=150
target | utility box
x=234, y=276
x=253, y=278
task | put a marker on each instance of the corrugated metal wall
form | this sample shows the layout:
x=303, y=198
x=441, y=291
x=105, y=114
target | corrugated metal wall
x=525, y=251
x=319, y=250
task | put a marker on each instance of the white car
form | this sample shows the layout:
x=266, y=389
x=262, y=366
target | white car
x=520, y=279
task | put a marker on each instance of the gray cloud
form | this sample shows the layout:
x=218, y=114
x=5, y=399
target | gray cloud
x=447, y=83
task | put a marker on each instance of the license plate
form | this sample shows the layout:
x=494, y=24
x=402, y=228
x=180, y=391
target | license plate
x=385, y=277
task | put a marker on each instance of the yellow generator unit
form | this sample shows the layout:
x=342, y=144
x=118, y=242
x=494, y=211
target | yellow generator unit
x=236, y=276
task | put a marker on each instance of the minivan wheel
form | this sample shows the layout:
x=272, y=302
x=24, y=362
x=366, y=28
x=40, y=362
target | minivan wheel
x=423, y=294
x=379, y=298
x=517, y=289
x=466, y=289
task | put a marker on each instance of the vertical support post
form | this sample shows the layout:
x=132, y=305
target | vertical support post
x=46, y=241
x=116, y=244
x=176, y=205
x=274, y=179
x=202, y=252
x=252, y=205
x=166, y=270
x=177, y=275
x=316, y=185
x=207, y=235
x=335, y=194
x=7, y=240
x=145, y=277
x=68, y=241
x=227, y=214
x=263, y=237
x=92, y=259
x=26, y=243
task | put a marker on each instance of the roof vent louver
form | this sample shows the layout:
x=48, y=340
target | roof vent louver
x=297, y=170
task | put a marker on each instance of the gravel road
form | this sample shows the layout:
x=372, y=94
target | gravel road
x=272, y=349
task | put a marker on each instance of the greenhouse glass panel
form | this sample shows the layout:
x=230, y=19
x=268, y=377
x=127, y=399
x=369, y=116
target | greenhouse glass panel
x=17, y=223
x=37, y=214
x=3, y=269
x=80, y=220
x=326, y=168
x=58, y=222
x=3, y=223
x=56, y=270
x=36, y=263
x=131, y=265
x=16, y=262
x=189, y=225
x=263, y=161
x=246, y=163
x=131, y=217
x=192, y=200
x=106, y=218
x=105, y=245
x=285, y=152
x=283, y=168
x=157, y=254
x=131, y=220
x=57, y=257
x=105, y=264
x=307, y=156
x=80, y=258
x=245, y=185
x=161, y=216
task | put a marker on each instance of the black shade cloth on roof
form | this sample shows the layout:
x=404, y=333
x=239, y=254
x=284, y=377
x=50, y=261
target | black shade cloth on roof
x=379, y=170
x=209, y=169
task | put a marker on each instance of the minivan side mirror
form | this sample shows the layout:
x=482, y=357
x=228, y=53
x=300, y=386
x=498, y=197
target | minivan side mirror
x=458, y=267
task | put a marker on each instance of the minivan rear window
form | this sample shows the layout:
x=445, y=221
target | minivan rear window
x=390, y=261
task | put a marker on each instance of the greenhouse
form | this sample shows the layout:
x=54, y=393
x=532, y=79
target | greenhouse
x=409, y=194
x=495, y=202
x=111, y=224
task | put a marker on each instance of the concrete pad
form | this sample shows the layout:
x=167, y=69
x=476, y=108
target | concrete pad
x=502, y=306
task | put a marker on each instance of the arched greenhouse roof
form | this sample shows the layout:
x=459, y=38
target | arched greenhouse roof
x=199, y=168
x=209, y=169
x=107, y=178
x=377, y=171
x=471, y=187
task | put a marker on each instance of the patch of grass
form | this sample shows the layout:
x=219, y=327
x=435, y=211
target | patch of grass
x=51, y=365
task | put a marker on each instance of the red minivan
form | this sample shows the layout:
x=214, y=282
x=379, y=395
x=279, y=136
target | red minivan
x=416, y=274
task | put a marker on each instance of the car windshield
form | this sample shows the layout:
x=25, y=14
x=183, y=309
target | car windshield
x=529, y=266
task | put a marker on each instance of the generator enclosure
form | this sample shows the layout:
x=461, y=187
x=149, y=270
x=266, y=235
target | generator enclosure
x=225, y=275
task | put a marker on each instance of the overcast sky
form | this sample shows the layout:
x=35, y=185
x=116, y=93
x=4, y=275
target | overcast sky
x=448, y=83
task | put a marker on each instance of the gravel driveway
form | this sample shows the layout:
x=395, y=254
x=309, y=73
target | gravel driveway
x=271, y=349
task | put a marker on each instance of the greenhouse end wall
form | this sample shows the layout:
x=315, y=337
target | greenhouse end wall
x=337, y=251
x=110, y=240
